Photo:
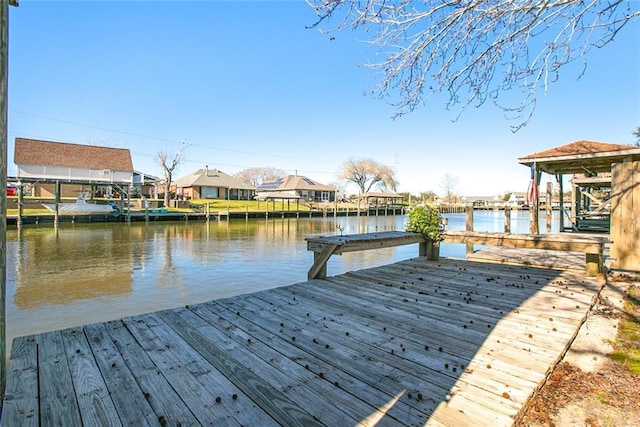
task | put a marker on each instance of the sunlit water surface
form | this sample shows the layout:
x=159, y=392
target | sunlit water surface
x=86, y=273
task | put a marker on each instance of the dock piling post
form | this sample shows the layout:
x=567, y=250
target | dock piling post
x=469, y=226
x=507, y=219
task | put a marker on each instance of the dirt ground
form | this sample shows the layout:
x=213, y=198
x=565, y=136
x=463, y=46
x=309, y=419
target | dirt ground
x=589, y=388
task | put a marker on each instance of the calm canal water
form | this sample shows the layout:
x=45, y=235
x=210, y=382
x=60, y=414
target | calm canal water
x=85, y=273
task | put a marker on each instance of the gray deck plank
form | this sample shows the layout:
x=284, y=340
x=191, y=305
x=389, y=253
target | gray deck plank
x=211, y=383
x=200, y=400
x=129, y=401
x=21, y=406
x=95, y=404
x=58, y=405
x=278, y=355
x=163, y=398
x=199, y=334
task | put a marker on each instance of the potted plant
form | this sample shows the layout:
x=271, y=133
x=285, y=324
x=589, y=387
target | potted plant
x=426, y=220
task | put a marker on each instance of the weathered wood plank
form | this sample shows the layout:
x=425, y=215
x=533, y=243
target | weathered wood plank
x=558, y=241
x=232, y=400
x=199, y=399
x=366, y=241
x=58, y=405
x=400, y=362
x=129, y=401
x=262, y=392
x=312, y=337
x=21, y=400
x=393, y=340
x=165, y=401
x=319, y=268
x=91, y=392
x=279, y=355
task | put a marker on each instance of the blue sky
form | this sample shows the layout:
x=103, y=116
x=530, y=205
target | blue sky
x=247, y=85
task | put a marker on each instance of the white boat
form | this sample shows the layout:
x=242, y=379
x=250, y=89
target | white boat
x=80, y=207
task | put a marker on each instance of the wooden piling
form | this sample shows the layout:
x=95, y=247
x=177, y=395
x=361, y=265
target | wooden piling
x=507, y=219
x=468, y=225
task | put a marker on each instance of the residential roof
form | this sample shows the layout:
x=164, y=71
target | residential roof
x=211, y=178
x=61, y=154
x=581, y=157
x=293, y=182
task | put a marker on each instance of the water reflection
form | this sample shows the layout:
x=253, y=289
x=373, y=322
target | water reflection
x=64, y=266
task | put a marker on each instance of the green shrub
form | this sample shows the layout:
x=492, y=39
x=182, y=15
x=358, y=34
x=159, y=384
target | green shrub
x=425, y=219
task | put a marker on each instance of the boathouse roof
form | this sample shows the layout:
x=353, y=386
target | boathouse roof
x=581, y=157
x=61, y=154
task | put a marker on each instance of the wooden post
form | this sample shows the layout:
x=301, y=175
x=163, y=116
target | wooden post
x=534, y=207
x=4, y=65
x=56, y=219
x=20, y=206
x=468, y=225
x=575, y=204
x=128, y=206
x=507, y=219
x=549, y=207
x=561, y=196
x=429, y=250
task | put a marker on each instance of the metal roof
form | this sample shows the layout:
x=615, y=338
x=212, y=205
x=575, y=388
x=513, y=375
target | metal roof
x=293, y=182
x=581, y=157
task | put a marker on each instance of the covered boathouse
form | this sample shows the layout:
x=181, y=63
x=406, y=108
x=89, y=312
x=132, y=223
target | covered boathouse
x=614, y=170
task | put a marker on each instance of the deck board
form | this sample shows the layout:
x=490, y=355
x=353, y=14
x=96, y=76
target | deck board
x=442, y=343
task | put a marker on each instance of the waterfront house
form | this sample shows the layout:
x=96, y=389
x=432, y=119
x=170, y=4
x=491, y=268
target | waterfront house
x=297, y=186
x=517, y=199
x=212, y=184
x=484, y=202
x=76, y=168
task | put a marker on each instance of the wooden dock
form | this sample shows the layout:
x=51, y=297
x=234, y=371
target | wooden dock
x=449, y=342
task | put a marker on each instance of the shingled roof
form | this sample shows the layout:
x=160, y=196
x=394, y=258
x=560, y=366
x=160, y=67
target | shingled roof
x=48, y=153
x=212, y=178
x=581, y=157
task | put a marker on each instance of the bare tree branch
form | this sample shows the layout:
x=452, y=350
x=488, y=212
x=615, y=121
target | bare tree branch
x=169, y=162
x=475, y=50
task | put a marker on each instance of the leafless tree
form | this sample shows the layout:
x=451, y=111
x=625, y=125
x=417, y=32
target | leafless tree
x=256, y=176
x=449, y=185
x=366, y=173
x=636, y=133
x=475, y=50
x=169, y=162
x=341, y=191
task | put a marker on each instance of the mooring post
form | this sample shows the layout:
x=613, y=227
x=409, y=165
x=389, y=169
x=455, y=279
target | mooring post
x=549, y=207
x=507, y=219
x=20, y=206
x=468, y=225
